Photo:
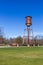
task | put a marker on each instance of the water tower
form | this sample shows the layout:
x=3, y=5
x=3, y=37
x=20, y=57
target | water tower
x=28, y=24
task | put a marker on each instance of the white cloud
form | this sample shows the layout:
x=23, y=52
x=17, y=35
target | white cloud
x=38, y=33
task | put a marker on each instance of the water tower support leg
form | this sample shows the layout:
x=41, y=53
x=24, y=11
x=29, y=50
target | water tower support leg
x=28, y=29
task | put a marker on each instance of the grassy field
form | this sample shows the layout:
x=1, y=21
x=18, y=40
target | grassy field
x=21, y=56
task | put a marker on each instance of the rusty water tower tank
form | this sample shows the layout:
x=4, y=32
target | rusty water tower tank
x=28, y=21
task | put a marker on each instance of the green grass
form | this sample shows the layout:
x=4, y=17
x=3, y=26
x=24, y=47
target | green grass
x=21, y=56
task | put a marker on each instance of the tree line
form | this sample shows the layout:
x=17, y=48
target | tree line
x=37, y=40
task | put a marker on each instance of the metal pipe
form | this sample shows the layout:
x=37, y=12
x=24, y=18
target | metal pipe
x=28, y=29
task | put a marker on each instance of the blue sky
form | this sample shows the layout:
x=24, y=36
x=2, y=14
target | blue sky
x=12, y=16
